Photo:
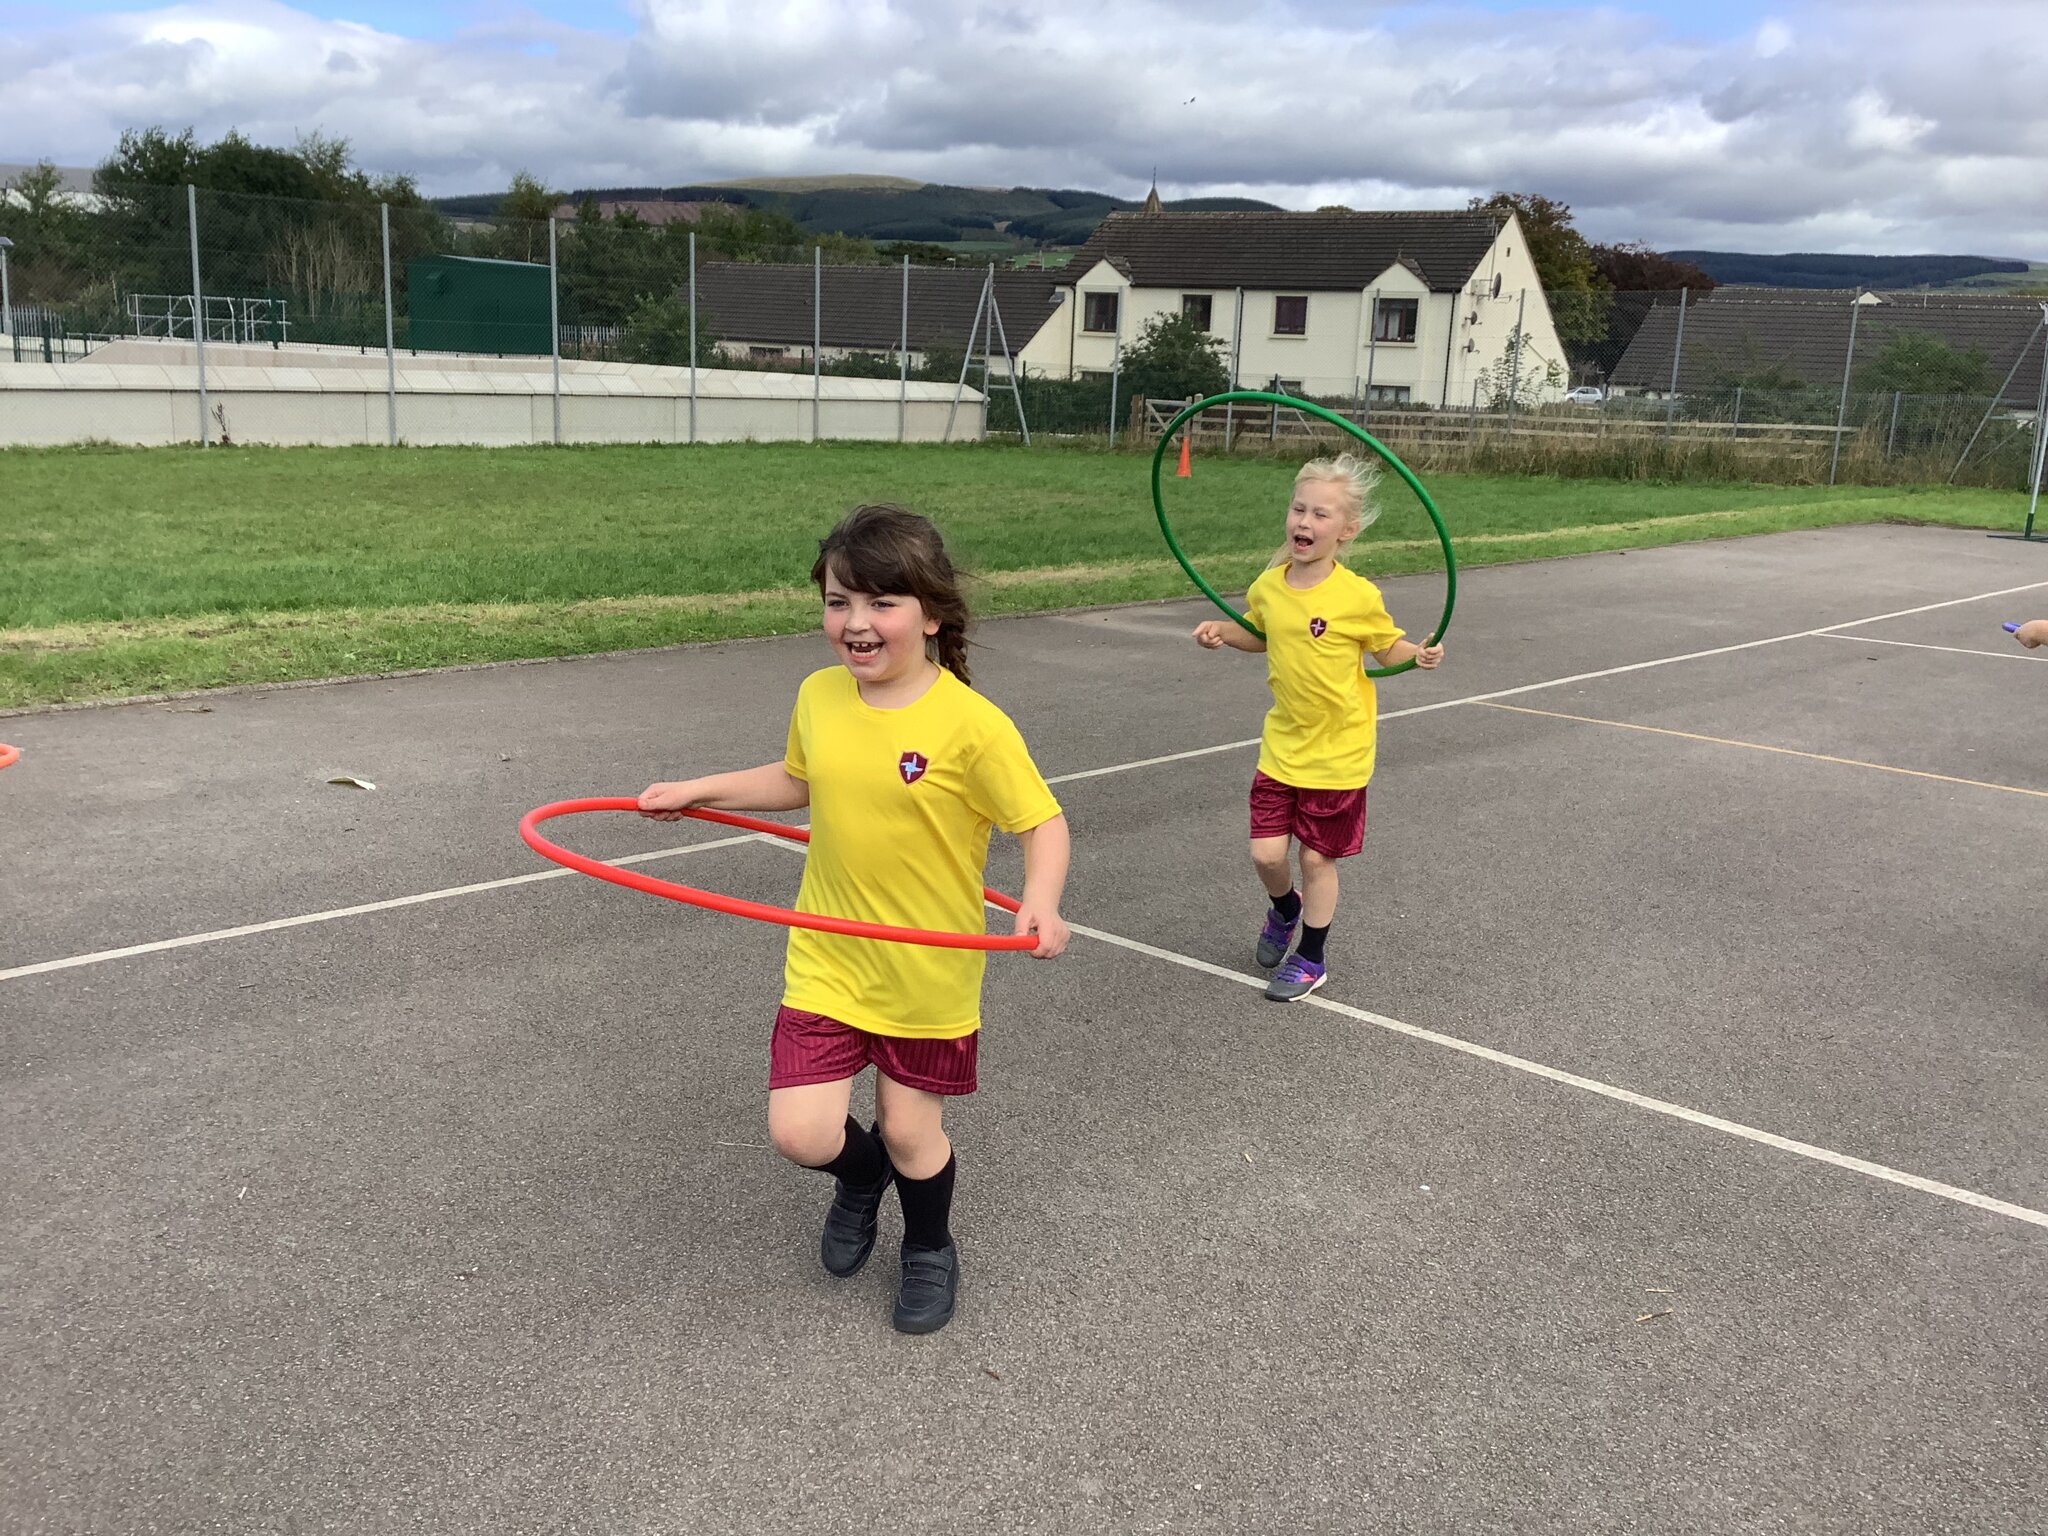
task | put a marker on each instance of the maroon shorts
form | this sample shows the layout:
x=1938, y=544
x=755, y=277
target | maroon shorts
x=810, y=1048
x=1331, y=821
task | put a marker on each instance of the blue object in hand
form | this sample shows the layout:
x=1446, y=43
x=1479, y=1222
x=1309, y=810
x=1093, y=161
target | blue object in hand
x=2011, y=629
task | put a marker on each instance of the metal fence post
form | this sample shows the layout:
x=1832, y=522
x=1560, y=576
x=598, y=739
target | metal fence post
x=1515, y=355
x=1116, y=368
x=1735, y=426
x=2040, y=429
x=966, y=361
x=1677, y=348
x=903, y=384
x=555, y=326
x=1891, y=436
x=390, y=352
x=1236, y=354
x=198, y=309
x=1372, y=351
x=693, y=336
x=817, y=336
x=1842, y=406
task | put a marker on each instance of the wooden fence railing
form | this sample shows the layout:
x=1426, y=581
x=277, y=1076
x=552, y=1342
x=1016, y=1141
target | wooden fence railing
x=1247, y=425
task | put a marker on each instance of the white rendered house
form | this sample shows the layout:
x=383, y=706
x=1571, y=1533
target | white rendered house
x=1403, y=307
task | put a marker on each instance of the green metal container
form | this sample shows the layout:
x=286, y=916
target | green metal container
x=477, y=304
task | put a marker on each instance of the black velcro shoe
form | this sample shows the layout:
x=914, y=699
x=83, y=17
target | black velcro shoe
x=931, y=1279
x=850, y=1224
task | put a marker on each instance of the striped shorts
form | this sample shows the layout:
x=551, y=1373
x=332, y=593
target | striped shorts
x=811, y=1048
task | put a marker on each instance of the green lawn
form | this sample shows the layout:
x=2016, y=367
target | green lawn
x=129, y=571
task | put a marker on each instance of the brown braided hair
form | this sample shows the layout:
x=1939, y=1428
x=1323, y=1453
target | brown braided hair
x=883, y=549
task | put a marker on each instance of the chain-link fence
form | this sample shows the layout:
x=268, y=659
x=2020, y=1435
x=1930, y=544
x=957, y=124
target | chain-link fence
x=1771, y=384
x=209, y=317
x=217, y=315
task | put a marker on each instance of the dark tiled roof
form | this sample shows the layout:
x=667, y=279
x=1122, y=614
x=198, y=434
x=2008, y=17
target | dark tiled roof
x=863, y=306
x=1311, y=252
x=1806, y=332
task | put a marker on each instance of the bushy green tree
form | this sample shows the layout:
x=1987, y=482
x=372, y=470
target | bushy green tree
x=1564, y=261
x=1175, y=359
x=1921, y=363
x=658, y=331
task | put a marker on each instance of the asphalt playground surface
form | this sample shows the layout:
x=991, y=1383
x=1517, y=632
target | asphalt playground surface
x=1668, y=1153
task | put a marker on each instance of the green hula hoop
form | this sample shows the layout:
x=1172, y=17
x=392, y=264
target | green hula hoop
x=1310, y=407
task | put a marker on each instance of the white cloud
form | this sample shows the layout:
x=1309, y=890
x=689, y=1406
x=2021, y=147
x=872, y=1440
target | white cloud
x=1820, y=128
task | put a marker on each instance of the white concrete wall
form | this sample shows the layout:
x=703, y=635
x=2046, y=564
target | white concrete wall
x=149, y=404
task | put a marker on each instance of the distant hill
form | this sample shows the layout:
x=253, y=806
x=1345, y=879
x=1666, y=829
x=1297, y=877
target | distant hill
x=822, y=183
x=885, y=209
x=1801, y=270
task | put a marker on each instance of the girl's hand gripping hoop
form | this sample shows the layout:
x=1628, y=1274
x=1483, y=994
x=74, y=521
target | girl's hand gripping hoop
x=1310, y=408
x=760, y=912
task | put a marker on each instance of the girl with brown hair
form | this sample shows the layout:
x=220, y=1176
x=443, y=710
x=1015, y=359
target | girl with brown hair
x=905, y=769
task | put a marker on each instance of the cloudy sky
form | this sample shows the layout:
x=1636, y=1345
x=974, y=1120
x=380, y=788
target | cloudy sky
x=1766, y=125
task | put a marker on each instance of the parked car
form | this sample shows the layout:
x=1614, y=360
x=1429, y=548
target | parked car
x=1585, y=394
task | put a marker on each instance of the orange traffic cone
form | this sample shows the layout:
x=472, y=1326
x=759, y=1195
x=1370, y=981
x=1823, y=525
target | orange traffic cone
x=1186, y=471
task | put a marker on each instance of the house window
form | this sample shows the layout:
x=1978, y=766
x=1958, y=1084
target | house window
x=1394, y=319
x=1099, y=314
x=1197, y=307
x=1290, y=314
x=760, y=353
x=1390, y=394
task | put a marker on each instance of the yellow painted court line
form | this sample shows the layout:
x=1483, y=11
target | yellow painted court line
x=1758, y=746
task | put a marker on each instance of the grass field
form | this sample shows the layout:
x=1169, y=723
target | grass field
x=139, y=571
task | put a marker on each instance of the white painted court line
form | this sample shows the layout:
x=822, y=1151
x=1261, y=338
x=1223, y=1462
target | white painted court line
x=1642, y=1101
x=303, y=919
x=43, y=966
x=1921, y=645
x=1153, y=762
x=1719, y=650
x=1583, y=677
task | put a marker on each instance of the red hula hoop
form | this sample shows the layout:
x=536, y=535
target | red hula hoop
x=9, y=756
x=760, y=912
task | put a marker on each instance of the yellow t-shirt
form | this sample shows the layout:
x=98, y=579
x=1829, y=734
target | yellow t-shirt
x=1322, y=729
x=901, y=805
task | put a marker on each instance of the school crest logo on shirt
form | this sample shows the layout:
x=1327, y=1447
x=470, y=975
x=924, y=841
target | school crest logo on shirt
x=912, y=766
x=1316, y=628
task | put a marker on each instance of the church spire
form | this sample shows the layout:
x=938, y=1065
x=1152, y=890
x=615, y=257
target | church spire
x=1152, y=202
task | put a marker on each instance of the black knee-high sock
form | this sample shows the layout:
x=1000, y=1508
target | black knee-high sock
x=859, y=1163
x=927, y=1203
x=1288, y=906
x=1311, y=945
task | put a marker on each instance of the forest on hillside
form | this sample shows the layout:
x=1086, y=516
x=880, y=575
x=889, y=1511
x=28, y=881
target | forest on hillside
x=1817, y=270
x=934, y=213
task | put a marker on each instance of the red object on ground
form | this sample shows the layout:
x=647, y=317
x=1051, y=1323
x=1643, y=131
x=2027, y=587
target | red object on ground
x=9, y=756
x=760, y=912
x=1186, y=470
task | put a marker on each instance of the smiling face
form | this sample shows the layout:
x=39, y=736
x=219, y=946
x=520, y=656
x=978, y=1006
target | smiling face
x=1320, y=521
x=879, y=636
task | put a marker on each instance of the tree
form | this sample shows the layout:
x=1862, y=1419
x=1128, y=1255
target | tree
x=1921, y=363
x=659, y=332
x=1633, y=267
x=1518, y=378
x=1175, y=359
x=1564, y=261
x=921, y=253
